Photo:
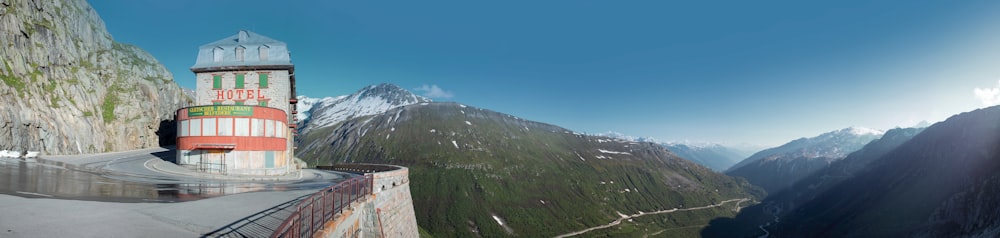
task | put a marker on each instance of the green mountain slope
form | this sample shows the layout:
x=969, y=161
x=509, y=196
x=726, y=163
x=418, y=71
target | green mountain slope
x=470, y=167
x=940, y=182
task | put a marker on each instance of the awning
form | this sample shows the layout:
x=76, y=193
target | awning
x=215, y=146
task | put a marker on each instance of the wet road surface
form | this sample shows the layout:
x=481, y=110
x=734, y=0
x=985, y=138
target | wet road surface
x=128, y=178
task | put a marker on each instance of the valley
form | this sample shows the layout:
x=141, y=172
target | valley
x=471, y=164
x=833, y=119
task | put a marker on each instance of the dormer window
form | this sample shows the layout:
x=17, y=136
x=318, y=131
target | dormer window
x=217, y=54
x=240, y=51
x=263, y=52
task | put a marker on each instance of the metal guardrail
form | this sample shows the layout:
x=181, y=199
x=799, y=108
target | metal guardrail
x=312, y=212
x=359, y=168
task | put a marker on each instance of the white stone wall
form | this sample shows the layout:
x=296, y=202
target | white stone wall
x=393, y=200
x=389, y=210
x=277, y=92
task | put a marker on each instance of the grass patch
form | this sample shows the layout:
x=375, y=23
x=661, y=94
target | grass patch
x=54, y=102
x=13, y=82
x=110, y=103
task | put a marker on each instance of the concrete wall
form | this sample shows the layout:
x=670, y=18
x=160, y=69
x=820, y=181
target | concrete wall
x=387, y=212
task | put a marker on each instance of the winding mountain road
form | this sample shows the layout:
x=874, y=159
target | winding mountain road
x=619, y=220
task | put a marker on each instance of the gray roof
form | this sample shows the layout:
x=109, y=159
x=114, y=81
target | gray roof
x=277, y=51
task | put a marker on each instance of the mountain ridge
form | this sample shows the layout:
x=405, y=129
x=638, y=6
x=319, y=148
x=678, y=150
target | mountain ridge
x=777, y=168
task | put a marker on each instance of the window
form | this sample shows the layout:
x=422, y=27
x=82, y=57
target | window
x=240, y=50
x=242, y=126
x=217, y=54
x=216, y=103
x=263, y=52
x=183, y=130
x=263, y=80
x=216, y=81
x=225, y=126
x=282, y=133
x=239, y=103
x=257, y=127
x=195, y=127
x=262, y=103
x=239, y=80
x=269, y=130
x=208, y=124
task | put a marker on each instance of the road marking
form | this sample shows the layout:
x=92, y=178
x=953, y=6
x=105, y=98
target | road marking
x=36, y=194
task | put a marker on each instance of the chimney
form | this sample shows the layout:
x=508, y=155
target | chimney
x=243, y=36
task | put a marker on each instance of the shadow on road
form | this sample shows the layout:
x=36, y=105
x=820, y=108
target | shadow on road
x=261, y=224
x=170, y=155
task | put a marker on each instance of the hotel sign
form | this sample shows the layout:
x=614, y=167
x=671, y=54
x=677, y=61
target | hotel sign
x=220, y=111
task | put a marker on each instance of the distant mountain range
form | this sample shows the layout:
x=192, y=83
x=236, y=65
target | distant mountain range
x=470, y=167
x=715, y=156
x=941, y=181
x=777, y=168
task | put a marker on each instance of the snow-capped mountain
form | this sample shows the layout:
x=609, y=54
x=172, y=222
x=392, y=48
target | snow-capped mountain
x=306, y=104
x=371, y=100
x=834, y=144
x=779, y=167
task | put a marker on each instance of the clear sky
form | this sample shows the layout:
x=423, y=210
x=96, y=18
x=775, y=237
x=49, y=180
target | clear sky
x=758, y=72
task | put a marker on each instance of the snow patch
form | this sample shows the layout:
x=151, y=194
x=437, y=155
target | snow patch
x=498, y=220
x=614, y=152
x=433, y=130
x=461, y=105
x=10, y=154
x=454, y=143
x=864, y=131
x=468, y=123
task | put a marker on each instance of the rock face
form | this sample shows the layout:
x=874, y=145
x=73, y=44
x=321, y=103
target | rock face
x=68, y=87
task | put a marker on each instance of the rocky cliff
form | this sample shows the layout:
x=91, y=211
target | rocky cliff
x=69, y=88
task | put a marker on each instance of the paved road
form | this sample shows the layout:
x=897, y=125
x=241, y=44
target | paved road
x=624, y=217
x=68, y=196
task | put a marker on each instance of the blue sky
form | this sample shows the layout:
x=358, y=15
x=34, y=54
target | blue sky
x=758, y=72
